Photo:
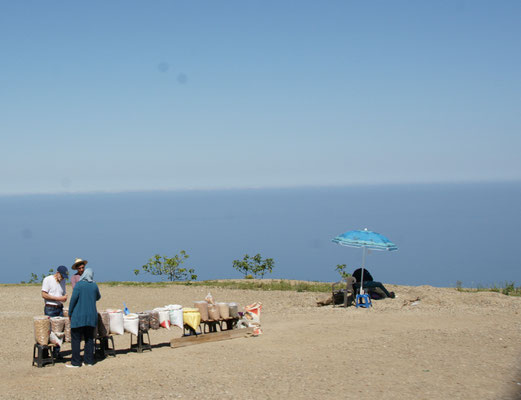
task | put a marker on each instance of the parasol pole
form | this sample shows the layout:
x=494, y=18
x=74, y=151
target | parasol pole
x=362, y=276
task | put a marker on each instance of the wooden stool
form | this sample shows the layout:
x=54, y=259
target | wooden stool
x=211, y=324
x=140, y=345
x=102, y=346
x=231, y=323
x=189, y=331
x=42, y=354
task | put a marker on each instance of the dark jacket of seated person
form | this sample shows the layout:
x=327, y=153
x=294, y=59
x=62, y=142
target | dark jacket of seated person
x=369, y=282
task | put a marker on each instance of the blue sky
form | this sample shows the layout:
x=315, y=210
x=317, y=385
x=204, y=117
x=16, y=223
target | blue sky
x=128, y=95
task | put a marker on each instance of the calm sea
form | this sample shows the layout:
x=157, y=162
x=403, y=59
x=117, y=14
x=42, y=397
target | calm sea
x=445, y=233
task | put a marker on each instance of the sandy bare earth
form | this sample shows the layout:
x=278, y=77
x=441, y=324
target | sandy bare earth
x=450, y=345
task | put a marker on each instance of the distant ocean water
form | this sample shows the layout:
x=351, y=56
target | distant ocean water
x=445, y=232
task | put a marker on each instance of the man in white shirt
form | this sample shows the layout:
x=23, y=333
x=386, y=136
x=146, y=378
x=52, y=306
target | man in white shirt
x=53, y=292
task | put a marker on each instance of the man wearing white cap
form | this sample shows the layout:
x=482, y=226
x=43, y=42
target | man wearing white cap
x=79, y=266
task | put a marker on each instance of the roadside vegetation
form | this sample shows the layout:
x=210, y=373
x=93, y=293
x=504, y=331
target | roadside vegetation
x=508, y=289
x=247, y=284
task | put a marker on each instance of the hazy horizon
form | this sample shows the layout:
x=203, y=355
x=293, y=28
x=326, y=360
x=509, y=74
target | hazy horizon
x=445, y=233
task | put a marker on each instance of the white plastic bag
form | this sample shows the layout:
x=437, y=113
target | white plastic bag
x=53, y=338
x=209, y=298
x=176, y=315
x=164, y=317
x=116, y=322
x=131, y=323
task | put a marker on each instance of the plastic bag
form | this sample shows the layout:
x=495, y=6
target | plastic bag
x=253, y=312
x=176, y=315
x=209, y=298
x=42, y=329
x=251, y=318
x=55, y=339
x=116, y=322
x=154, y=319
x=131, y=323
x=224, y=310
x=164, y=317
x=57, y=324
x=67, y=330
x=202, y=306
x=103, y=324
x=234, y=310
x=213, y=312
x=144, y=321
x=192, y=317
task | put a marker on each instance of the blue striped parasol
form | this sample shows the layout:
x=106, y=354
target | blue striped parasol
x=367, y=240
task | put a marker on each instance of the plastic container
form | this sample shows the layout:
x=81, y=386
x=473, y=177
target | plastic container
x=202, y=306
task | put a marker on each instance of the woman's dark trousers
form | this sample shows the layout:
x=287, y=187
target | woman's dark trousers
x=88, y=351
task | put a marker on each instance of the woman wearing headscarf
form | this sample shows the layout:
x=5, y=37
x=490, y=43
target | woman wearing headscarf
x=84, y=317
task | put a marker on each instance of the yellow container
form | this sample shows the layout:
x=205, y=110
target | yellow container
x=192, y=317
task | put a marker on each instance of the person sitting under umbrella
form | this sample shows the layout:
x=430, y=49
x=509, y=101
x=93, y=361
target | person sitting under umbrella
x=369, y=283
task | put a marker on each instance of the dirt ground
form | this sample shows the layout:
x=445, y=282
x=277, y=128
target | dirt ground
x=447, y=345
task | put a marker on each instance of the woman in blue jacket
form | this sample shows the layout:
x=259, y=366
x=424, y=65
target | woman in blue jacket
x=84, y=318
